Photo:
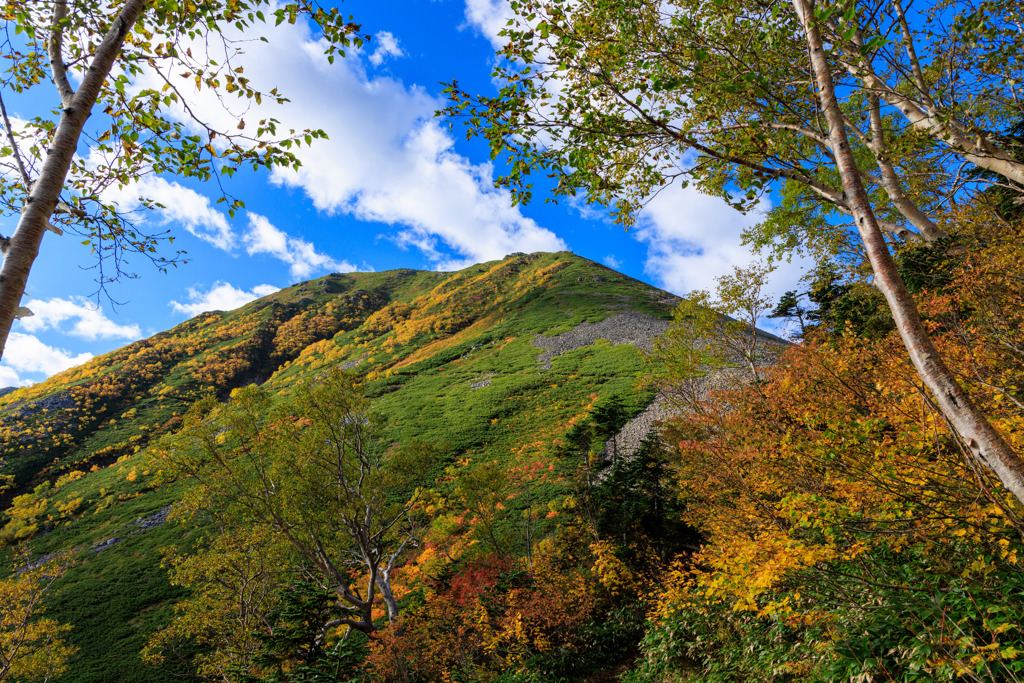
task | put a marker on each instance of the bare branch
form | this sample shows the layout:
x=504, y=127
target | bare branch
x=16, y=153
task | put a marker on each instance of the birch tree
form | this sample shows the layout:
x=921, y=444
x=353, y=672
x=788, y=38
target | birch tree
x=107, y=125
x=618, y=100
x=614, y=94
x=984, y=442
x=316, y=471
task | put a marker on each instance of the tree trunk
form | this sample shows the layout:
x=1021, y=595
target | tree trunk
x=365, y=622
x=45, y=192
x=890, y=182
x=984, y=441
x=384, y=585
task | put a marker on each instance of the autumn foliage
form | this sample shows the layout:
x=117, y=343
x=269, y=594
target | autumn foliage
x=32, y=646
x=813, y=520
x=849, y=535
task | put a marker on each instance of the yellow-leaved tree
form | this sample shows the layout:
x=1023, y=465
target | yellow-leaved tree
x=32, y=648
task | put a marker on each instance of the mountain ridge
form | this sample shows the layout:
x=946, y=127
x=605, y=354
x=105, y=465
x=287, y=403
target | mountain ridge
x=456, y=360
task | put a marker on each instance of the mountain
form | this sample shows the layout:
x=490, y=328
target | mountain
x=483, y=364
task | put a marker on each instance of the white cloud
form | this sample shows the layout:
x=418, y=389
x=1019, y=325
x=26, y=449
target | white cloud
x=387, y=46
x=612, y=262
x=387, y=158
x=9, y=378
x=183, y=205
x=303, y=259
x=25, y=353
x=488, y=17
x=442, y=196
x=692, y=238
x=89, y=322
x=220, y=297
x=264, y=238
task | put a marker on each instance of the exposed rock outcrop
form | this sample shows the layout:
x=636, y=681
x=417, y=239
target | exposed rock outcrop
x=628, y=327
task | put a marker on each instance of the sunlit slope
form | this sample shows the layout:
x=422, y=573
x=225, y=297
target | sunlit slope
x=449, y=358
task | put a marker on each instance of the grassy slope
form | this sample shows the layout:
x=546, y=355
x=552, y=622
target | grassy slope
x=423, y=339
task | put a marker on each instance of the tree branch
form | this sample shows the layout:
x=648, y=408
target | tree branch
x=833, y=196
x=955, y=404
x=908, y=43
x=981, y=152
x=55, y=47
x=25, y=178
x=890, y=182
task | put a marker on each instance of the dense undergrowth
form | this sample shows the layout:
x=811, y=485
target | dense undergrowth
x=848, y=535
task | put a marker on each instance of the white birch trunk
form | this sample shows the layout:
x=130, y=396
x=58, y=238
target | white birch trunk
x=984, y=441
x=45, y=193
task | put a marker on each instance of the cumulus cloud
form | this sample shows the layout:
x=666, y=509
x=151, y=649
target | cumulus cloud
x=220, y=297
x=612, y=262
x=25, y=353
x=302, y=258
x=692, y=238
x=387, y=46
x=9, y=378
x=387, y=159
x=181, y=205
x=196, y=214
x=86, y=319
x=488, y=17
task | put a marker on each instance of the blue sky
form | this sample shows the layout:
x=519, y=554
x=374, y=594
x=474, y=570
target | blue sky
x=391, y=188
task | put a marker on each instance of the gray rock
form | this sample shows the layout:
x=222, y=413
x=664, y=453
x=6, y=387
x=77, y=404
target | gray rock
x=103, y=545
x=54, y=403
x=157, y=519
x=628, y=327
x=38, y=562
x=349, y=364
x=484, y=382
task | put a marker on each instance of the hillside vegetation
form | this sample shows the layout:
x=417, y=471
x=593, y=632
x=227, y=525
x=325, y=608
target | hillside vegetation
x=412, y=476
x=447, y=358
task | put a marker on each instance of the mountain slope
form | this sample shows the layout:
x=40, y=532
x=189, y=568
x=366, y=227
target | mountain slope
x=489, y=362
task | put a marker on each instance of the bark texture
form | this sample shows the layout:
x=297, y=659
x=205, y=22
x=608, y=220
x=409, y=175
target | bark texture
x=984, y=441
x=890, y=182
x=45, y=192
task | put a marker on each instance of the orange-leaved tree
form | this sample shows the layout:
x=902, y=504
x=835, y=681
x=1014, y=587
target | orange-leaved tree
x=848, y=532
